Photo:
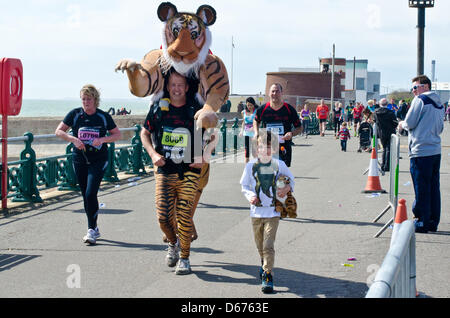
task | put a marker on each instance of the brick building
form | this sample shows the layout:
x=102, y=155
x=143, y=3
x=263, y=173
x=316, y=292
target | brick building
x=305, y=87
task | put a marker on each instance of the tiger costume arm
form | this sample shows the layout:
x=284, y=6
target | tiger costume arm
x=145, y=78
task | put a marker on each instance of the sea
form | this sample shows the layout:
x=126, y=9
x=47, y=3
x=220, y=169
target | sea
x=60, y=107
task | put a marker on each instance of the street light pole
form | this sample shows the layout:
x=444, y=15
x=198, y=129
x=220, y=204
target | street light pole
x=332, y=81
x=231, y=82
x=421, y=5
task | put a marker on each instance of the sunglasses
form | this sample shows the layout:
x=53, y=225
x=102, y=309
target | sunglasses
x=417, y=86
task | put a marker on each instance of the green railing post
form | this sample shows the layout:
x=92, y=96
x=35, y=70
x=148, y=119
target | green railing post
x=27, y=191
x=235, y=134
x=137, y=158
x=70, y=182
x=223, y=130
x=110, y=172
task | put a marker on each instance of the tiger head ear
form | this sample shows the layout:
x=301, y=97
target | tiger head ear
x=207, y=14
x=166, y=10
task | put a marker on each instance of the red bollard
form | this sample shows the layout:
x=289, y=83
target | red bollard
x=11, y=90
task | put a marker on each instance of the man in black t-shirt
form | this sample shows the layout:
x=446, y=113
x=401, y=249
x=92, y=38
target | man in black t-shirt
x=280, y=117
x=175, y=147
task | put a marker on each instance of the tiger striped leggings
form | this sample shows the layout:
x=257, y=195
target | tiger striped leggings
x=174, y=200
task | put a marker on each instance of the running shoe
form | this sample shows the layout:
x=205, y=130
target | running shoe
x=97, y=233
x=172, y=254
x=261, y=273
x=183, y=267
x=267, y=283
x=91, y=236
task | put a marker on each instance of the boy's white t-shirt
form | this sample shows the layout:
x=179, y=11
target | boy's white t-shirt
x=248, y=183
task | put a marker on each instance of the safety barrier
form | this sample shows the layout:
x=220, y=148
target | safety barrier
x=394, y=162
x=30, y=175
x=396, y=277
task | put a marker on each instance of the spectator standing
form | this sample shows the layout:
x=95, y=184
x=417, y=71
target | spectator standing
x=425, y=123
x=448, y=113
x=386, y=126
x=337, y=117
x=392, y=106
x=370, y=105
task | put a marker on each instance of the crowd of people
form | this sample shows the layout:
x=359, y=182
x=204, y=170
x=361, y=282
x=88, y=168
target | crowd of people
x=120, y=111
x=181, y=172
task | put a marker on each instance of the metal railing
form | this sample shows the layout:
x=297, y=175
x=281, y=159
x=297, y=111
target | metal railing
x=396, y=277
x=30, y=175
x=394, y=162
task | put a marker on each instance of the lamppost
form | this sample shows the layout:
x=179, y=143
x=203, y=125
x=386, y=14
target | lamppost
x=421, y=5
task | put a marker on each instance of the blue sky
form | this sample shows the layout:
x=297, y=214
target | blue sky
x=66, y=44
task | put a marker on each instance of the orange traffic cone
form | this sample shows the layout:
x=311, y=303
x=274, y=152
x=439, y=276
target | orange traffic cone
x=400, y=216
x=373, y=182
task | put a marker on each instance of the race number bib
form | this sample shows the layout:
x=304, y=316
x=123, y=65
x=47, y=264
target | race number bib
x=175, y=143
x=88, y=134
x=277, y=129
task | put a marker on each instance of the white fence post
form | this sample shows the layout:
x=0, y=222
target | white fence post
x=396, y=277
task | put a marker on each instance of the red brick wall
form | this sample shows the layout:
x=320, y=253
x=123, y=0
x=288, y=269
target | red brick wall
x=304, y=84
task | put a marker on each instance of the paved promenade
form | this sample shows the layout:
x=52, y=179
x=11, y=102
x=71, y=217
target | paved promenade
x=42, y=255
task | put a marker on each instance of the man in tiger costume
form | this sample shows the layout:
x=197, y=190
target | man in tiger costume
x=169, y=138
x=186, y=40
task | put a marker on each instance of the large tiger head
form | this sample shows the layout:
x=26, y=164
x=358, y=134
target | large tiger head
x=185, y=37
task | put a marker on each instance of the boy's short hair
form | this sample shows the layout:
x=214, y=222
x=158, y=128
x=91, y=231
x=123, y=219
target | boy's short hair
x=344, y=124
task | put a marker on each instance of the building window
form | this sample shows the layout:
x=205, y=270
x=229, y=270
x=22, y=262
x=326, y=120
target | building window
x=360, y=84
x=376, y=88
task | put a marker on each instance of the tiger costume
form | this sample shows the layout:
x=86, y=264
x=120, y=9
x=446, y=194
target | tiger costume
x=287, y=206
x=186, y=41
x=175, y=198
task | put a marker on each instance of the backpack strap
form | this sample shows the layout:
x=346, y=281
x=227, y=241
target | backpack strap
x=427, y=100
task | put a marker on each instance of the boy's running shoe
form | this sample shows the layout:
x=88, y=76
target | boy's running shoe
x=267, y=283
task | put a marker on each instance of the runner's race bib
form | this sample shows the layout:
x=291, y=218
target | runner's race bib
x=277, y=129
x=175, y=143
x=88, y=134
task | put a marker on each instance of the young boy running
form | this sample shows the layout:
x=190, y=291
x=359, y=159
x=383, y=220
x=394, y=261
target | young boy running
x=259, y=187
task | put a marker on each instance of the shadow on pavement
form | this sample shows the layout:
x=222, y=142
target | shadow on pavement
x=298, y=283
x=153, y=247
x=339, y=222
x=107, y=211
x=8, y=261
x=224, y=207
